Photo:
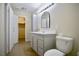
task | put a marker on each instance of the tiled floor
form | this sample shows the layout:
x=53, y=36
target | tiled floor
x=22, y=49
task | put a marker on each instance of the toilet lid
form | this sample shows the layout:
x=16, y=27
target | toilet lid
x=54, y=52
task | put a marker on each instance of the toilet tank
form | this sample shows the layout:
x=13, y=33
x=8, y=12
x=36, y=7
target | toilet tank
x=64, y=43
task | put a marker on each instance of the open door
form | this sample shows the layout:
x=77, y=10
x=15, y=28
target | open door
x=21, y=29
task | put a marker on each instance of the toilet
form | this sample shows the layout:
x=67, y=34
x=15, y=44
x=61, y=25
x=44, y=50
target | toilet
x=63, y=46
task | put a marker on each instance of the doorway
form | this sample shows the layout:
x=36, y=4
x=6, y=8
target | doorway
x=21, y=29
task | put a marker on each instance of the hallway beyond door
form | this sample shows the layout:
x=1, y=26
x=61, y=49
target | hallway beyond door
x=21, y=28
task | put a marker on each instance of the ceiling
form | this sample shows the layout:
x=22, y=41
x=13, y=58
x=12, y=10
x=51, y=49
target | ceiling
x=32, y=7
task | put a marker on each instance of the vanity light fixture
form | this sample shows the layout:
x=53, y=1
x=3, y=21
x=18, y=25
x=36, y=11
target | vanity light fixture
x=47, y=7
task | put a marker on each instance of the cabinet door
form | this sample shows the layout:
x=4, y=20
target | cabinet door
x=34, y=43
x=40, y=43
x=40, y=51
x=40, y=47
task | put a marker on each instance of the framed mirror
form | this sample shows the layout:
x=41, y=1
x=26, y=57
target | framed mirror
x=45, y=20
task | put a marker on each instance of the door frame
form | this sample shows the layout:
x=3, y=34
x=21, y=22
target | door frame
x=7, y=27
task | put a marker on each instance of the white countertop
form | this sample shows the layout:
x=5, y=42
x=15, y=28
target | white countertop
x=43, y=33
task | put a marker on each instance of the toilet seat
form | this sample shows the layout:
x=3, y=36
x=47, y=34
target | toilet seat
x=54, y=52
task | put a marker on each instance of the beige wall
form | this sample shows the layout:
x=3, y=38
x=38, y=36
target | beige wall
x=65, y=19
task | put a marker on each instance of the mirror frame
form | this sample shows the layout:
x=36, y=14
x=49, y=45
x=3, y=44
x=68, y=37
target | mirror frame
x=47, y=25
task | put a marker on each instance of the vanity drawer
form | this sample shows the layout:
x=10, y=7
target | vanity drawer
x=40, y=43
x=40, y=51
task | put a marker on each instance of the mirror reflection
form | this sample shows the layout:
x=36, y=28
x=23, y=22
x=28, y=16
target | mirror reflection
x=45, y=20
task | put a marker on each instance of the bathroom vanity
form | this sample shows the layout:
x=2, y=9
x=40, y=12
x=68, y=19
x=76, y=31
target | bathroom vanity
x=43, y=41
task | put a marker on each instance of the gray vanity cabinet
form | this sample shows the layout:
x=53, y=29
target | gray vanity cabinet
x=42, y=43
